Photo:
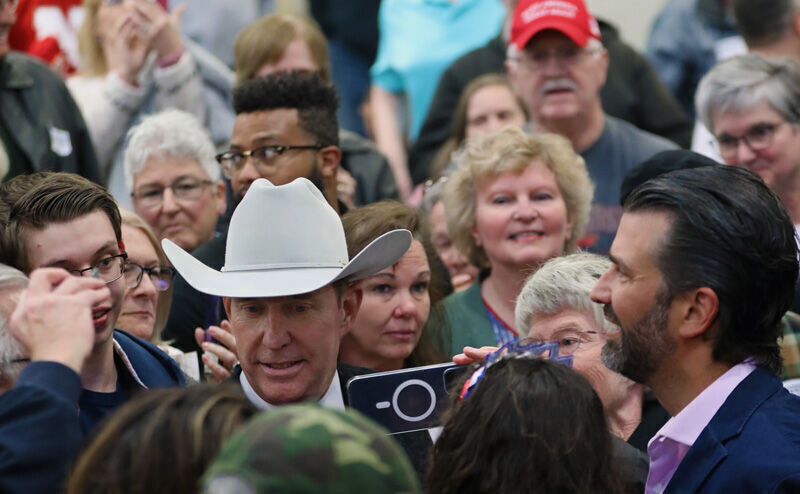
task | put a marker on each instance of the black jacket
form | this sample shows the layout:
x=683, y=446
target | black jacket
x=633, y=92
x=41, y=117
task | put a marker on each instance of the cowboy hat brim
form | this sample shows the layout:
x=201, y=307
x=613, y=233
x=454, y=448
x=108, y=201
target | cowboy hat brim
x=286, y=281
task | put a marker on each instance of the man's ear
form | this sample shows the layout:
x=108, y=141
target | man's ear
x=351, y=302
x=226, y=302
x=603, y=62
x=698, y=311
x=328, y=159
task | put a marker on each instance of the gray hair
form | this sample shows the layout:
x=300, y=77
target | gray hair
x=559, y=284
x=11, y=280
x=742, y=82
x=169, y=134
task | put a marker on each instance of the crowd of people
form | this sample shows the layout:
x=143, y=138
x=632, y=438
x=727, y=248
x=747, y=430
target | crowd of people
x=213, y=217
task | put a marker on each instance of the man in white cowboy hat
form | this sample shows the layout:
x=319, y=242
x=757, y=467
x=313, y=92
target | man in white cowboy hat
x=285, y=288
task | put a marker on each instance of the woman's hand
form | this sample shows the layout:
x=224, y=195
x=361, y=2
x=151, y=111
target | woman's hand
x=471, y=354
x=346, y=188
x=126, y=51
x=161, y=28
x=220, y=358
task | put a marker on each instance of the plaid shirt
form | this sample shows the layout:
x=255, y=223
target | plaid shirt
x=790, y=345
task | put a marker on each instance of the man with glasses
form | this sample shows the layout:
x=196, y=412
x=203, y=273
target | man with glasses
x=41, y=128
x=558, y=66
x=285, y=128
x=65, y=221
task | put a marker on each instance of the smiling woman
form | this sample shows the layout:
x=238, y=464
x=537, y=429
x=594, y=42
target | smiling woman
x=515, y=201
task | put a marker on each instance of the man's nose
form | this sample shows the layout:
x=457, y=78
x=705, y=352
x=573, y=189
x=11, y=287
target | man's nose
x=275, y=335
x=601, y=293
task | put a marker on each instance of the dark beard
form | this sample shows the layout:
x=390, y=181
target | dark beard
x=638, y=352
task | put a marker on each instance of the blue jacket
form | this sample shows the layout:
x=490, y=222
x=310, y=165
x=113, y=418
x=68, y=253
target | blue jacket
x=39, y=428
x=751, y=444
x=154, y=367
x=40, y=419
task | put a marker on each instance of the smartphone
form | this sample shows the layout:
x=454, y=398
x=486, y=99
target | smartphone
x=403, y=400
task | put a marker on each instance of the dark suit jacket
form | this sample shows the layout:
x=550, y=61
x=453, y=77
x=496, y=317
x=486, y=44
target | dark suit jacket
x=751, y=445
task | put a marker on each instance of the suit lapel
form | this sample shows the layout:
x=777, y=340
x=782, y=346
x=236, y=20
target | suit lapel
x=709, y=450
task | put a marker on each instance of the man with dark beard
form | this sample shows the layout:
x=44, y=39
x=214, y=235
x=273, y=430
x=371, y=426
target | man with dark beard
x=285, y=128
x=704, y=265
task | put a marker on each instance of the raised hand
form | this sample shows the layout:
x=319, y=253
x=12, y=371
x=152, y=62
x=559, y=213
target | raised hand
x=471, y=354
x=220, y=358
x=161, y=27
x=53, y=317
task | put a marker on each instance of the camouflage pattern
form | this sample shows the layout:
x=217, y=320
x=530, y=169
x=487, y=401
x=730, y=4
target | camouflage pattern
x=307, y=448
x=790, y=345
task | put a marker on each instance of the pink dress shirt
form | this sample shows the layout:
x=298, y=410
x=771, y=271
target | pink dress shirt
x=672, y=442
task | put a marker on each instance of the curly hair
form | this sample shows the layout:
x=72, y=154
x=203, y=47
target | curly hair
x=511, y=150
x=315, y=100
x=531, y=425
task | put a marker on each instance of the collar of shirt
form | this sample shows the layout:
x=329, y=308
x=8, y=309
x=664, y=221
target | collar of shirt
x=671, y=443
x=331, y=399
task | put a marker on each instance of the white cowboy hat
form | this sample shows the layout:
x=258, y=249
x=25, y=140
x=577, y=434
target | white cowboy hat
x=285, y=240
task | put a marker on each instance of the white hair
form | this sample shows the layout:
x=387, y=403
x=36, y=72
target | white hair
x=560, y=284
x=11, y=281
x=169, y=134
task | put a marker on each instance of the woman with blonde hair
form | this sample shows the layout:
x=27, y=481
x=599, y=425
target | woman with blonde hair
x=515, y=201
x=134, y=63
x=148, y=280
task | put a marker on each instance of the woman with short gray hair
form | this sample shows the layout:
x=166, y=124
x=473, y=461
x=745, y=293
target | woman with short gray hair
x=174, y=181
x=555, y=306
x=751, y=104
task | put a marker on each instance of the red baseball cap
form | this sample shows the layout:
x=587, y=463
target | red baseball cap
x=566, y=16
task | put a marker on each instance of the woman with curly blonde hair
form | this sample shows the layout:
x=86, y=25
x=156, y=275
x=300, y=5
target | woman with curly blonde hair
x=515, y=201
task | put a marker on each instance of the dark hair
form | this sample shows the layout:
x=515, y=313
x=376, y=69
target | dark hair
x=161, y=441
x=763, y=22
x=315, y=100
x=531, y=425
x=16, y=187
x=54, y=198
x=365, y=224
x=731, y=233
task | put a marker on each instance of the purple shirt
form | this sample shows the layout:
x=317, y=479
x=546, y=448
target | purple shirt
x=672, y=442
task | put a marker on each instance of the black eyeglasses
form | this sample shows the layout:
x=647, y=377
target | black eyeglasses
x=187, y=189
x=108, y=269
x=758, y=138
x=161, y=276
x=263, y=157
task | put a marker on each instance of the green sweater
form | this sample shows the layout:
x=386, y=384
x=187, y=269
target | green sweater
x=467, y=320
